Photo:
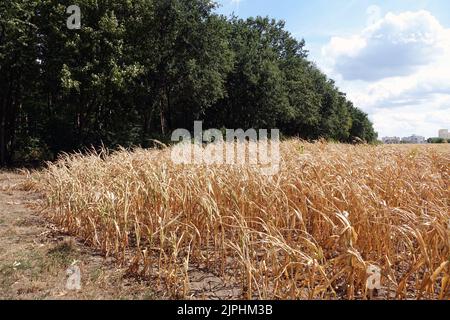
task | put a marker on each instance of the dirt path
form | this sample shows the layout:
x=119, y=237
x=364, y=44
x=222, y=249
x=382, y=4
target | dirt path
x=34, y=256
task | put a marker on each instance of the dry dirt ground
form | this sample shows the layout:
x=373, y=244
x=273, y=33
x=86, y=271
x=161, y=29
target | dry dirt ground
x=34, y=256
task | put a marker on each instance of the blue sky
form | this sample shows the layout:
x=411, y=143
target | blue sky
x=392, y=57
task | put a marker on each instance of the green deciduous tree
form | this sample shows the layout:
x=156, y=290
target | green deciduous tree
x=138, y=69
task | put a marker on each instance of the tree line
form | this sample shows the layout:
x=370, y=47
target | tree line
x=438, y=140
x=136, y=70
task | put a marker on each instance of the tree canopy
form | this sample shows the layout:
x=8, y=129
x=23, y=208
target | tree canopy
x=136, y=70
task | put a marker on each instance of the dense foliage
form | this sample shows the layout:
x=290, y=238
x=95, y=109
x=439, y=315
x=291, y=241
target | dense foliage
x=438, y=140
x=138, y=69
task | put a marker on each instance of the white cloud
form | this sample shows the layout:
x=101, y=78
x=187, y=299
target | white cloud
x=396, y=45
x=398, y=70
x=408, y=120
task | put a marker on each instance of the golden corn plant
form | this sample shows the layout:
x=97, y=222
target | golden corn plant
x=308, y=232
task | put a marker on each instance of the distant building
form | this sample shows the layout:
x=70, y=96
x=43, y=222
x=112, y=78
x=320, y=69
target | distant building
x=391, y=140
x=444, y=134
x=414, y=139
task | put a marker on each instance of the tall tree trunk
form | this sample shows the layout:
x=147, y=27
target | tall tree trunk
x=162, y=117
x=168, y=108
x=4, y=122
x=2, y=138
x=165, y=111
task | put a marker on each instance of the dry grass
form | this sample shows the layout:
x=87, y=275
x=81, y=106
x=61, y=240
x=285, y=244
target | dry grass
x=309, y=232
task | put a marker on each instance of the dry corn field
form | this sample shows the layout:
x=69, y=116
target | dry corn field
x=308, y=232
